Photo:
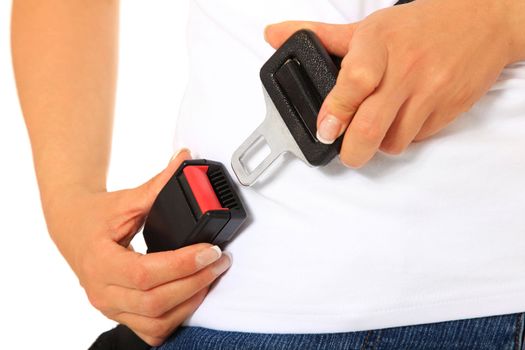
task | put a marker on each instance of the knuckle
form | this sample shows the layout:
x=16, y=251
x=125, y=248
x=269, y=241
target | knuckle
x=425, y=132
x=126, y=201
x=150, y=192
x=97, y=302
x=420, y=137
x=160, y=329
x=141, y=277
x=179, y=262
x=368, y=130
x=393, y=148
x=447, y=119
x=154, y=341
x=391, y=34
x=204, y=279
x=339, y=101
x=94, y=301
x=199, y=297
x=149, y=329
x=362, y=78
x=134, y=201
x=375, y=18
x=152, y=305
x=463, y=100
x=440, y=80
x=373, y=25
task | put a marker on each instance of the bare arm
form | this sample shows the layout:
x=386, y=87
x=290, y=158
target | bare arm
x=65, y=60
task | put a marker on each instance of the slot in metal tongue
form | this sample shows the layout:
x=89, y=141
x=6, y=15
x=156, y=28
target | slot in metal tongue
x=275, y=133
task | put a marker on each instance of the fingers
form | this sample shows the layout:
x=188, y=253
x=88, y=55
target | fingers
x=435, y=122
x=134, y=204
x=369, y=127
x=155, y=331
x=407, y=125
x=335, y=37
x=362, y=71
x=144, y=272
x=157, y=301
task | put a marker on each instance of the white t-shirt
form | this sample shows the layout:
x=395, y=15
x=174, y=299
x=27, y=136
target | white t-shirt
x=435, y=234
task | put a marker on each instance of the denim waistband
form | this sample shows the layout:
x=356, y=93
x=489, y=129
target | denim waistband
x=494, y=333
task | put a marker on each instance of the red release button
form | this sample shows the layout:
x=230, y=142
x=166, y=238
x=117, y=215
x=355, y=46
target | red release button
x=200, y=185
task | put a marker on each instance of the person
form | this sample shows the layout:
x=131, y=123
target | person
x=418, y=245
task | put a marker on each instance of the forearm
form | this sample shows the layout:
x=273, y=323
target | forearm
x=508, y=16
x=65, y=62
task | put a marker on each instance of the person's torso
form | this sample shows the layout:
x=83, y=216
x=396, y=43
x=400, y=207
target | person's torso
x=434, y=234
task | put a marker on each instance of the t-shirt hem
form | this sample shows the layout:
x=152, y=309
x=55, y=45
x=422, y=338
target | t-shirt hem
x=437, y=311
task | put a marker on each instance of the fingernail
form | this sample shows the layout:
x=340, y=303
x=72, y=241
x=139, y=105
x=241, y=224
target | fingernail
x=329, y=129
x=179, y=152
x=223, y=264
x=208, y=256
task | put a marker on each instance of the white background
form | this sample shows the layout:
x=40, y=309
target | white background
x=42, y=305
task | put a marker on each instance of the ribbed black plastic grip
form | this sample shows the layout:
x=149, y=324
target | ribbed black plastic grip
x=223, y=189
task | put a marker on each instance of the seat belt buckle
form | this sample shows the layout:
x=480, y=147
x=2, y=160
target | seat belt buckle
x=199, y=204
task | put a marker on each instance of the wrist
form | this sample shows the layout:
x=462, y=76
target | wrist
x=500, y=21
x=505, y=20
x=65, y=210
x=58, y=199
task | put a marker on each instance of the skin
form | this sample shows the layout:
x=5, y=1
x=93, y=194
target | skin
x=67, y=97
x=407, y=73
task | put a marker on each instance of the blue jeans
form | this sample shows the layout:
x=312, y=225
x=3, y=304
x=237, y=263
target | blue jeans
x=494, y=333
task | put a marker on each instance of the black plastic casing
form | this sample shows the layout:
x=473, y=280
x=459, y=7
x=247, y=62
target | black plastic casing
x=298, y=77
x=175, y=219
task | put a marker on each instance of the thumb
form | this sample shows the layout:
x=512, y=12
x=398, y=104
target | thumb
x=335, y=37
x=134, y=204
x=150, y=190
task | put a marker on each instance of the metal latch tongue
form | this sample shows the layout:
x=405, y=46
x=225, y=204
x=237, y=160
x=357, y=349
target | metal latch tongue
x=296, y=79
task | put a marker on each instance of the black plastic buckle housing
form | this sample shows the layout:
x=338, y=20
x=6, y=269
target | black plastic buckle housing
x=298, y=77
x=177, y=218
